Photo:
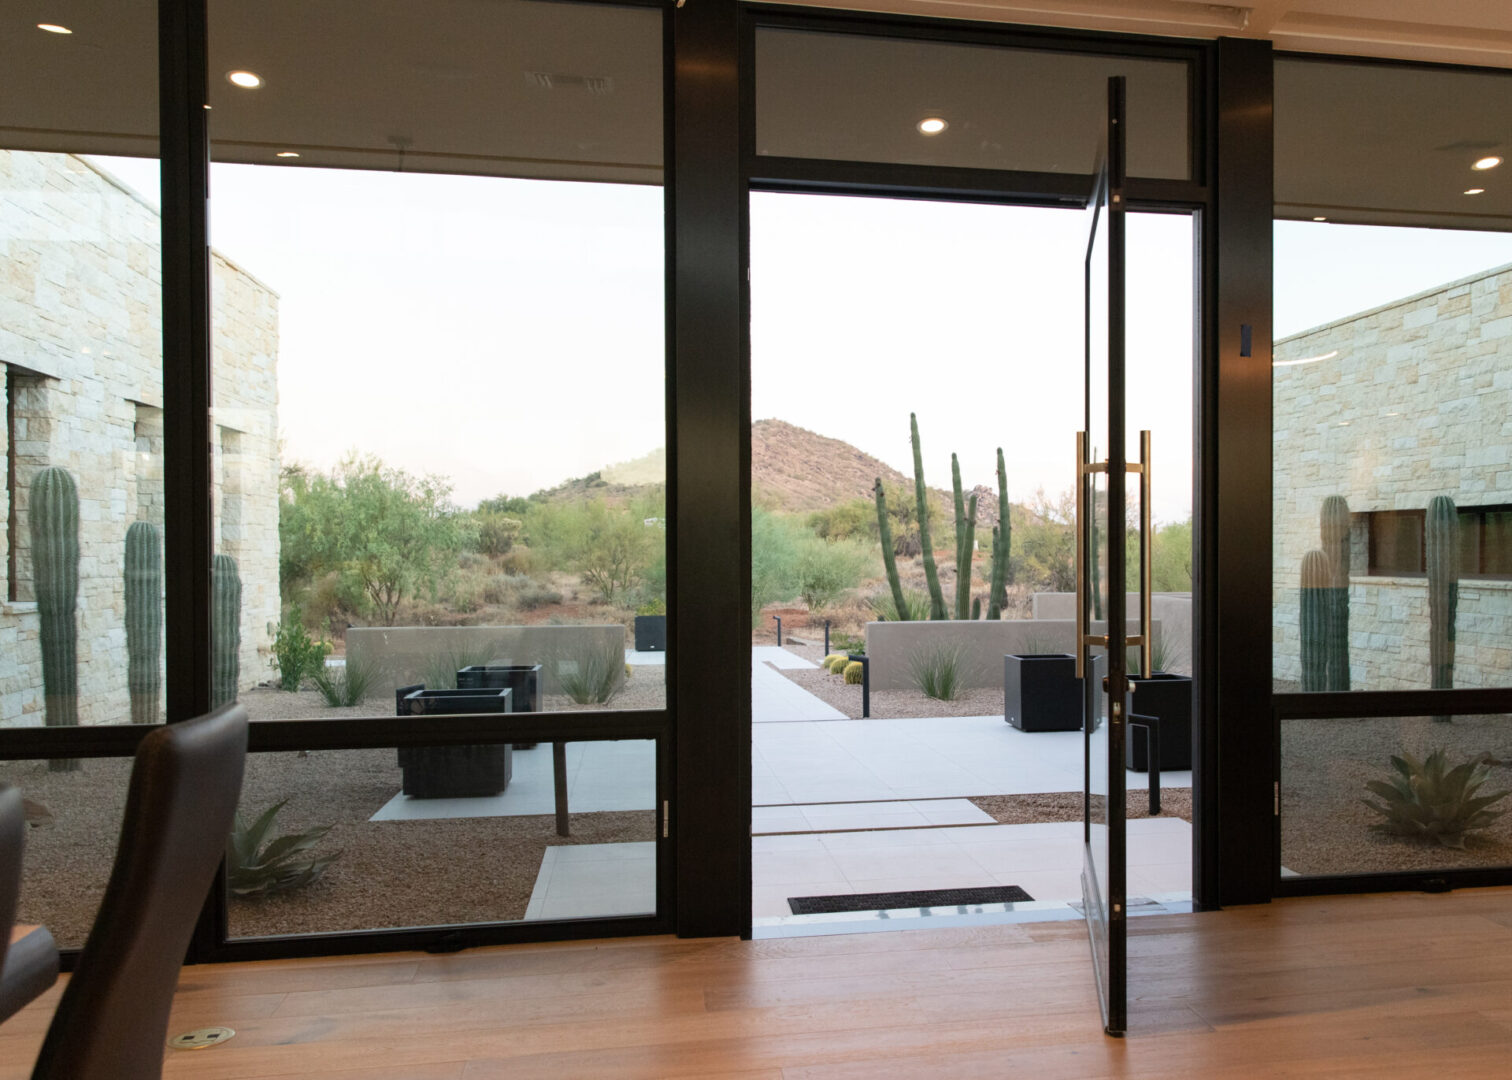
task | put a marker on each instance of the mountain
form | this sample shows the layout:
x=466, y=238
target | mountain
x=797, y=471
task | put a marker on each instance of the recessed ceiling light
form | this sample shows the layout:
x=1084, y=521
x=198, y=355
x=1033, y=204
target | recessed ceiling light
x=932, y=125
x=1320, y=219
x=245, y=79
x=288, y=153
x=1475, y=191
x=53, y=28
x=1487, y=163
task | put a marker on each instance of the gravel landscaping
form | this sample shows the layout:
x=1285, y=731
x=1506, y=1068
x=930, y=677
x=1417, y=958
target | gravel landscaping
x=1067, y=806
x=885, y=704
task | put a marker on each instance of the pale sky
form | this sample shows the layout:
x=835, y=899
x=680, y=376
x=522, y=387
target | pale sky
x=509, y=333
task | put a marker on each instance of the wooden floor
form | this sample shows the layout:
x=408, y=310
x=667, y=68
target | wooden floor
x=1404, y=985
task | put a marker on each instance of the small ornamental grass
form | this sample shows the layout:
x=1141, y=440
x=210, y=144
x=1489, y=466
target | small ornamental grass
x=937, y=672
x=596, y=678
x=345, y=685
x=1428, y=801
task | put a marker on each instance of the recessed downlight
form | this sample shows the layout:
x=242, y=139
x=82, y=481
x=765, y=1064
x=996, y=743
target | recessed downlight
x=932, y=125
x=1475, y=191
x=247, y=80
x=53, y=28
x=1320, y=218
x=1489, y=162
x=288, y=153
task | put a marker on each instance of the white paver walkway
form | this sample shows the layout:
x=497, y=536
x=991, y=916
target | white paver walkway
x=843, y=817
x=595, y=880
x=777, y=699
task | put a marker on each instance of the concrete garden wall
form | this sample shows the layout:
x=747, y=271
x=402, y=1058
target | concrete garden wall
x=403, y=654
x=1171, y=611
x=892, y=646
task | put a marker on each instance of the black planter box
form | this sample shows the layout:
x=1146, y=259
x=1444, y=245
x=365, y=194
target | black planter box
x=1170, y=698
x=453, y=772
x=1042, y=693
x=650, y=633
x=524, y=680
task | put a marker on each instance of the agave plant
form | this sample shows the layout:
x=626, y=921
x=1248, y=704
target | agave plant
x=255, y=869
x=1427, y=800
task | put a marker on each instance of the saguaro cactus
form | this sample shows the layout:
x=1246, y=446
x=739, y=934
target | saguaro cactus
x=53, y=514
x=144, y=621
x=1333, y=525
x=965, y=539
x=889, y=557
x=1441, y=548
x=921, y=496
x=1002, y=535
x=1315, y=607
x=225, y=630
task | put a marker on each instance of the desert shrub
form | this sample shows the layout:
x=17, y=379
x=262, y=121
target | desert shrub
x=346, y=684
x=654, y=606
x=1427, y=800
x=518, y=560
x=848, y=643
x=774, y=559
x=915, y=606
x=257, y=869
x=531, y=594
x=611, y=547
x=936, y=672
x=853, y=672
x=596, y=677
x=296, y=655
x=856, y=519
x=496, y=532
x=825, y=569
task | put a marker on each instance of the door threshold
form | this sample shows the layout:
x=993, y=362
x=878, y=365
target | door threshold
x=939, y=918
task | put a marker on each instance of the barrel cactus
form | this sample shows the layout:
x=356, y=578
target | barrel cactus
x=1333, y=525
x=1441, y=550
x=1314, y=605
x=853, y=671
x=53, y=514
x=144, y=621
x=225, y=630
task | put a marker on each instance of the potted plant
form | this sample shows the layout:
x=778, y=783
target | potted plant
x=1042, y=693
x=651, y=626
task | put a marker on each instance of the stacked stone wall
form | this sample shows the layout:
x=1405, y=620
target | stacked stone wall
x=1390, y=408
x=81, y=344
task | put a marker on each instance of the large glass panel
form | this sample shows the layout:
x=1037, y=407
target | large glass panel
x=81, y=356
x=439, y=446
x=856, y=98
x=1395, y=793
x=434, y=836
x=1392, y=380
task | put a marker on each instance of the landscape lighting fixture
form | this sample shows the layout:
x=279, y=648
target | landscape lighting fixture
x=932, y=125
x=53, y=28
x=1475, y=191
x=1485, y=163
x=245, y=79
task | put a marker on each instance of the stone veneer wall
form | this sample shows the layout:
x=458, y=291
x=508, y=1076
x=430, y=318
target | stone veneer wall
x=1417, y=402
x=81, y=328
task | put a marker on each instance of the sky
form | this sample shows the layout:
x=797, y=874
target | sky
x=508, y=334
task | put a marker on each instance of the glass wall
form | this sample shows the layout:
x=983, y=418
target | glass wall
x=81, y=353
x=438, y=424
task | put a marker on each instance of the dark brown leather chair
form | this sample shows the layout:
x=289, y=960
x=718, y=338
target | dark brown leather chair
x=112, y=1021
x=12, y=839
x=28, y=967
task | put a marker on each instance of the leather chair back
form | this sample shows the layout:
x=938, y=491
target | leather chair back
x=12, y=839
x=112, y=1021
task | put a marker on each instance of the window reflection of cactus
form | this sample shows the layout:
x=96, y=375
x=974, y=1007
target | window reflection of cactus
x=1333, y=525
x=225, y=630
x=54, y=519
x=144, y=621
x=1441, y=553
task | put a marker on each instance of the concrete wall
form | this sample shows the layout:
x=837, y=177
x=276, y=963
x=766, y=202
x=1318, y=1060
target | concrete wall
x=1389, y=408
x=1171, y=611
x=403, y=654
x=893, y=646
x=81, y=336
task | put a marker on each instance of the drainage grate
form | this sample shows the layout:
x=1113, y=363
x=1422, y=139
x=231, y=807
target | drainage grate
x=200, y=1038
x=824, y=905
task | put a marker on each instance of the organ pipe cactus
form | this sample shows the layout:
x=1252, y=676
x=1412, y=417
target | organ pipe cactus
x=1002, y=534
x=1441, y=550
x=965, y=540
x=1315, y=608
x=225, y=630
x=53, y=514
x=921, y=496
x=889, y=557
x=1333, y=525
x=144, y=621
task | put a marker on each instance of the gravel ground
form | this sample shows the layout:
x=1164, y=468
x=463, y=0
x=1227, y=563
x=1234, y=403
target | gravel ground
x=1325, y=827
x=885, y=704
x=1067, y=806
x=389, y=874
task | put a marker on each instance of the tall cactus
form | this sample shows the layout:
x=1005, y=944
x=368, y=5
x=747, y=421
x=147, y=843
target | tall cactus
x=225, y=630
x=1002, y=536
x=1441, y=542
x=962, y=557
x=889, y=557
x=1333, y=525
x=1315, y=608
x=967, y=545
x=144, y=621
x=921, y=496
x=53, y=514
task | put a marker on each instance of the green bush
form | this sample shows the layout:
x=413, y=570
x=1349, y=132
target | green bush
x=496, y=532
x=596, y=678
x=346, y=684
x=1428, y=801
x=774, y=560
x=853, y=672
x=826, y=569
x=256, y=869
x=936, y=672
x=611, y=546
x=654, y=606
x=296, y=655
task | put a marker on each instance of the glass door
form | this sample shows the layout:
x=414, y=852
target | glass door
x=1102, y=637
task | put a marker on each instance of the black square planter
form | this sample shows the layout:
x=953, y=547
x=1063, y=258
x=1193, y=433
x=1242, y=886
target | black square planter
x=650, y=633
x=523, y=679
x=1170, y=698
x=453, y=772
x=1042, y=693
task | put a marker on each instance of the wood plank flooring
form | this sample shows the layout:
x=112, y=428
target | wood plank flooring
x=1407, y=985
